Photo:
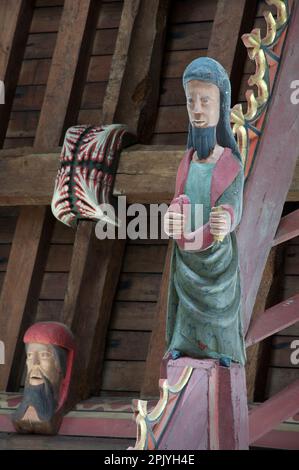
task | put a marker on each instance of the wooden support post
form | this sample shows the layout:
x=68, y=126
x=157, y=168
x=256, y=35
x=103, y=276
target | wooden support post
x=133, y=90
x=15, y=20
x=229, y=24
x=233, y=409
x=20, y=291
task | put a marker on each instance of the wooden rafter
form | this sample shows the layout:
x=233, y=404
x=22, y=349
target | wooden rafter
x=68, y=71
x=15, y=19
x=65, y=70
x=225, y=42
x=133, y=89
x=20, y=291
x=96, y=264
x=92, y=283
x=26, y=262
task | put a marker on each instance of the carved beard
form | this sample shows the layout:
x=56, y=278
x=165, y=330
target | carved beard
x=203, y=140
x=41, y=398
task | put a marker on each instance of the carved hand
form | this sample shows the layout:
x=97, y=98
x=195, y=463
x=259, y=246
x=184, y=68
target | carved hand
x=220, y=222
x=174, y=223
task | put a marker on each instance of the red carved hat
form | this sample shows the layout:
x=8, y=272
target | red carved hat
x=57, y=334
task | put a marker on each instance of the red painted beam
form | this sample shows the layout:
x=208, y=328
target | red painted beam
x=288, y=228
x=271, y=174
x=96, y=427
x=265, y=417
x=273, y=320
x=286, y=440
x=6, y=424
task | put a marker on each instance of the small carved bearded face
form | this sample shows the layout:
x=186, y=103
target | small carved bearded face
x=42, y=363
x=203, y=103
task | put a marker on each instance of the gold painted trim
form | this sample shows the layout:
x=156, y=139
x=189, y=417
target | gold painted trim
x=271, y=29
x=257, y=49
x=281, y=12
x=143, y=418
x=183, y=380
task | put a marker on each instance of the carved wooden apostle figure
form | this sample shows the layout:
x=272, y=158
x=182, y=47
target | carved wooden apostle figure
x=50, y=349
x=204, y=298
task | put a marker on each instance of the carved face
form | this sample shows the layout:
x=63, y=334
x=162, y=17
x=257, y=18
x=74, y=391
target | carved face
x=203, y=103
x=42, y=362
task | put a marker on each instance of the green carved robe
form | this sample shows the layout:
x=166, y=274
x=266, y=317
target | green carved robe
x=204, y=318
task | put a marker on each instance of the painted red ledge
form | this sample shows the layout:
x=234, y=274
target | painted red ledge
x=288, y=228
x=286, y=440
x=265, y=417
x=274, y=319
x=96, y=427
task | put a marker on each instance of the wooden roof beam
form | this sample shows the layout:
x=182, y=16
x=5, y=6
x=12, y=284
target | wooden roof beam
x=145, y=174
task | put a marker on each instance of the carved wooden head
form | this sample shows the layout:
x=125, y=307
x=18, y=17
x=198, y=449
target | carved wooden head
x=50, y=351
